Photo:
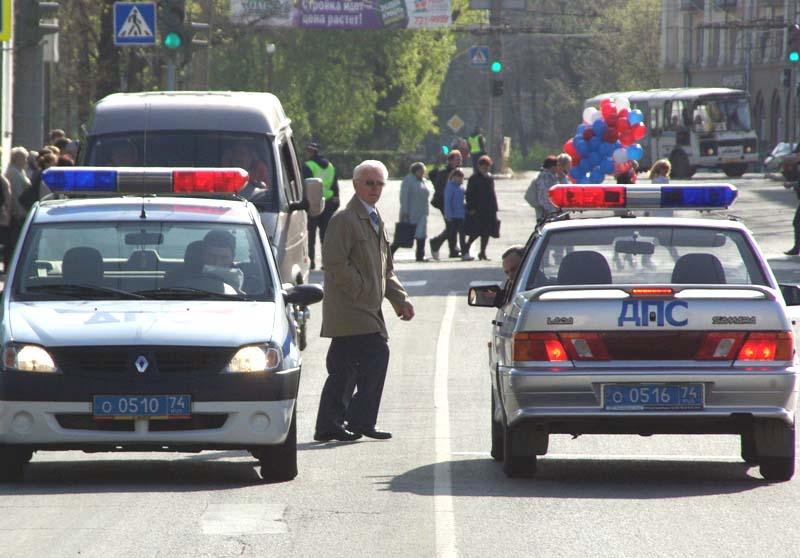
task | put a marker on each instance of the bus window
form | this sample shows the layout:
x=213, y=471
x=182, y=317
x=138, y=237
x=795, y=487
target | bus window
x=720, y=115
x=676, y=117
x=655, y=118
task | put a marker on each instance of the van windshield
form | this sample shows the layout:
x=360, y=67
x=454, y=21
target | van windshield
x=195, y=148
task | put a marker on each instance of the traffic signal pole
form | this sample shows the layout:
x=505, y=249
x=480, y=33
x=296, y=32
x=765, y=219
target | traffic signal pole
x=495, y=138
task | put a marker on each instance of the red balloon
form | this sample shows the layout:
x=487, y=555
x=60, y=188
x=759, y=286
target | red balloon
x=620, y=168
x=608, y=109
x=623, y=113
x=611, y=135
x=569, y=148
x=612, y=121
x=639, y=131
x=623, y=125
x=588, y=133
x=626, y=138
x=576, y=158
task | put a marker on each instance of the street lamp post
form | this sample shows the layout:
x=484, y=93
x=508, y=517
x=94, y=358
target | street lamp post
x=270, y=54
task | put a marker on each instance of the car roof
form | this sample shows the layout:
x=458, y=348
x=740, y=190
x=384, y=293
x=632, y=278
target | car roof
x=188, y=110
x=596, y=222
x=678, y=93
x=129, y=208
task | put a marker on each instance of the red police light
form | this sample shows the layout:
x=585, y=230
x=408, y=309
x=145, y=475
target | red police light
x=211, y=181
x=594, y=197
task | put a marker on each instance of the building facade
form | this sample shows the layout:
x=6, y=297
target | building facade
x=739, y=44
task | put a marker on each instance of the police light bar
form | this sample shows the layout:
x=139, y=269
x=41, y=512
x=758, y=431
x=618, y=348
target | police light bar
x=144, y=180
x=665, y=196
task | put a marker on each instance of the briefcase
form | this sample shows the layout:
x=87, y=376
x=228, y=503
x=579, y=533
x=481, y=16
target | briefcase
x=404, y=234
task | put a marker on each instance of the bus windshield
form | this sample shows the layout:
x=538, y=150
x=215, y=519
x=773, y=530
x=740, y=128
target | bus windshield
x=721, y=115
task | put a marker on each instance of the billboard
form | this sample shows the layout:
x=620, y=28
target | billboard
x=343, y=14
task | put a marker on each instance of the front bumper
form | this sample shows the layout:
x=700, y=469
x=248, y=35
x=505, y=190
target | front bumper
x=570, y=401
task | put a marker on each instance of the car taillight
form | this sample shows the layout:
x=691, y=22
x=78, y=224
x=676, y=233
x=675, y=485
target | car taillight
x=538, y=346
x=584, y=346
x=720, y=345
x=767, y=345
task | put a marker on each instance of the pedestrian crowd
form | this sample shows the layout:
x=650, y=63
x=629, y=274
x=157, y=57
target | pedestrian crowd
x=21, y=184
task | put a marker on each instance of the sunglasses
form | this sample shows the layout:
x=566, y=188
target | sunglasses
x=374, y=183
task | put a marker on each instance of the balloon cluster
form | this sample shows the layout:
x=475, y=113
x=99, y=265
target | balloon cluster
x=605, y=142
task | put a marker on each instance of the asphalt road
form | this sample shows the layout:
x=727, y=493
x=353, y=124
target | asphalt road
x=432, y=490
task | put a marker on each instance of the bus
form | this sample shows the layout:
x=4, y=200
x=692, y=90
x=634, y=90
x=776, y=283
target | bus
x=694, y=127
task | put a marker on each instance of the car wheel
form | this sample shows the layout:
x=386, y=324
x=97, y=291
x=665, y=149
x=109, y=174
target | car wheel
x=748, y=445
x=516, y=466
x=778, y=467
x=12, y=463
x=279, y=462
x=735, y=171
x=497, y=433
x=680, y=165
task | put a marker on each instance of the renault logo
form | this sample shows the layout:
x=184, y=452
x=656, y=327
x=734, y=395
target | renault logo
x=141, y=364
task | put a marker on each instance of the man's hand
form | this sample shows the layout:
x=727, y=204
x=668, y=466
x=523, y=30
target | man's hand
x=406, y=313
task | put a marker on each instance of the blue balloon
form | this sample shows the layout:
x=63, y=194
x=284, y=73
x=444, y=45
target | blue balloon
x=582, y=147
x=595, y=158
x=635, y=116
x=580, y=129
x=575, y=173
x=607, y=149
x=599, y=127
x=584, y=180
x=635, y=152
x=607, y=165
x=584, y=166
x=595, y=143
x=597, y=176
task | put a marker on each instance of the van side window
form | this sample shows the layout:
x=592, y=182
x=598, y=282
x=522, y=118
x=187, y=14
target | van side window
x=292, y=172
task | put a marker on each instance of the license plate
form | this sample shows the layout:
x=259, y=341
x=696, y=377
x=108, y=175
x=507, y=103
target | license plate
x=653, y=397
x=142, y=406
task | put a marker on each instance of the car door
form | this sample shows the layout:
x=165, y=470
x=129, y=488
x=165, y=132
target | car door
x=295, y=263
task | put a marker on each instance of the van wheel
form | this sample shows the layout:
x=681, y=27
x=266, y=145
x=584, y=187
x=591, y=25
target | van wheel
x=497, y=433
x=680, y=165
x=778, y=467
x=279, y=462
x=12, y=463
x=748, y=446
x=516, y=466
x=735, y=171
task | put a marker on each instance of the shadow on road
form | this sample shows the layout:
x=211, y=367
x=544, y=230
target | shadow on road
x=586, y=479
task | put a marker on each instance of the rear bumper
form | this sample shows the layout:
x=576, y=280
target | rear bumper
x=215, y=425
x=571, y=401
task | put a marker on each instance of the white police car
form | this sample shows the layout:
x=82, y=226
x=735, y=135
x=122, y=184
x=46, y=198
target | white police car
x=642, y=325
x=137, y=322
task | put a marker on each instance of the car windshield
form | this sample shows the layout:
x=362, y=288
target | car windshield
x=187, y=149
x=644, y=255
x=153, y=260
x=720, y=115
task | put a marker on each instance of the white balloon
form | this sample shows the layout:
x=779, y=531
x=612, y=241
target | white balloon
x=620, y=155
x=597, y=115
x=589, y=115
x=622, y=103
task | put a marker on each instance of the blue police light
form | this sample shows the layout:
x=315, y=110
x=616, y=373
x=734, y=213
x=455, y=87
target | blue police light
x=690, y=197
x=77, y=180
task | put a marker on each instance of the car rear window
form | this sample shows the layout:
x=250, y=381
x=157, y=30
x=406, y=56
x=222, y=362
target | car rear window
x=644, y=255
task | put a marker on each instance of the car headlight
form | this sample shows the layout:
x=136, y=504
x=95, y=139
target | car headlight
x=28, y=358
x=255, y=358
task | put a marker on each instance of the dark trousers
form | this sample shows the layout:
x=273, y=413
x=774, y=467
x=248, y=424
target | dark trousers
x=484, y=243
x=420, y=252
x=475, y=157
x=455, y=229
x=438, y=240
x=360, y=362
x=796, y=225
x=10, y=241
x=319, y=222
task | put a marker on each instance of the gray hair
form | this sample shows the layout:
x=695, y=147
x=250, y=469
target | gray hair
x=20, y=152
x=370, y=164
x=416, y=166
x=564, y=159
x=517, y=249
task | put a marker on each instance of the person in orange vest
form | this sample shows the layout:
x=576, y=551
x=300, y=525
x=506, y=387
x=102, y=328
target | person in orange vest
x=317, y=166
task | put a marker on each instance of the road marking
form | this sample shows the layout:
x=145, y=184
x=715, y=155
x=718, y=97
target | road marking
x=243, y=519
x=443, y=512
x=421, y=283
x=624, y=457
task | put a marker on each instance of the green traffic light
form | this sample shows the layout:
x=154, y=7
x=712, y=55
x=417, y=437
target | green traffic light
x=445, y=149
x=794, y=56
x=172, y=40
x=497, y=67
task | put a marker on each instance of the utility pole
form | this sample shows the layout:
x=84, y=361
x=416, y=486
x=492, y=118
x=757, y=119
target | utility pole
x=495, y=101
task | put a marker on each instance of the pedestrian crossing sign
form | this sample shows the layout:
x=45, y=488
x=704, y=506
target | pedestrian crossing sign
x=5, y=20
x=479, y=56
x=134, y=23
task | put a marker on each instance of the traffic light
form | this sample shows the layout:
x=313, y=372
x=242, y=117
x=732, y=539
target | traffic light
x=496, y=66
x=445, y=150
x=497, y=88
x=786, y=79
x=173, y=29
x=793, y=50
x=35, y=20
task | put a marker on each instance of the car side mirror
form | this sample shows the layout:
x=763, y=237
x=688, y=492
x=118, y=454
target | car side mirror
x=486, y=296
x=312, y=192
x=303, y=294
x=791, y=294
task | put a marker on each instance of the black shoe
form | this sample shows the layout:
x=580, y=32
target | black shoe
x=312, y=266
x=792, y=252
x=341, y=434
x=371, y=432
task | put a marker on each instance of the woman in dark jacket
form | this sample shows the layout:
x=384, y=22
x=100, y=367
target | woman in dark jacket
x=481, y=205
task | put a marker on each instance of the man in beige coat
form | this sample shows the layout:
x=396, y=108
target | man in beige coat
x=358, y=276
